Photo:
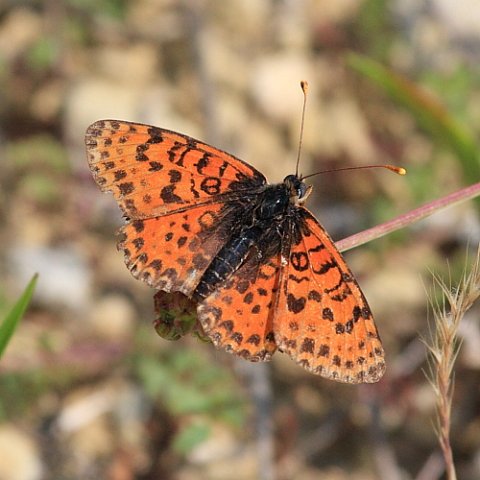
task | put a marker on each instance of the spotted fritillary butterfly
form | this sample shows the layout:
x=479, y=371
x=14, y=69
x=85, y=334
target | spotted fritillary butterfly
x=262, y=272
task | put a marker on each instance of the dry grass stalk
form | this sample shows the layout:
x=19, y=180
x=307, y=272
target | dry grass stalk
x=443, y=347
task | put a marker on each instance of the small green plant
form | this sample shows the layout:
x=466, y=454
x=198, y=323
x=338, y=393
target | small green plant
x=9, y=324
x=194, y=389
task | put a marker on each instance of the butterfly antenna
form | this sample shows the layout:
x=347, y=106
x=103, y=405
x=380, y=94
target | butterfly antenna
x=304, y=87
x=393, y=168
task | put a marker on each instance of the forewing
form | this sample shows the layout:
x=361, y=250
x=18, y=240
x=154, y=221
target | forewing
x=239, y=315
x=322, y=318
x=152, y=171
x=172, y=252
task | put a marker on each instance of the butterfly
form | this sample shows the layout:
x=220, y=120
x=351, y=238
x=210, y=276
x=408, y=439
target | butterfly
x=263, y=273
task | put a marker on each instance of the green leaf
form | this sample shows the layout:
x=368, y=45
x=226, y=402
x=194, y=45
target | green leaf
x=191, y=436
x=42, y=54
x=429, y=113
x=9, y=324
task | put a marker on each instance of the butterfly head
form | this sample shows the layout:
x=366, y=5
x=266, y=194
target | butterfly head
x=297, y=189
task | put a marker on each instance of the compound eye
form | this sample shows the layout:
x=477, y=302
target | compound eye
x=301, y=190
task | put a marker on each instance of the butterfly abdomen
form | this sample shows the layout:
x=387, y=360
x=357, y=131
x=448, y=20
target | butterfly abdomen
x=227, y=261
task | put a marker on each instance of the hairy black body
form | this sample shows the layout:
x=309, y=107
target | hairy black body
x=253, y=228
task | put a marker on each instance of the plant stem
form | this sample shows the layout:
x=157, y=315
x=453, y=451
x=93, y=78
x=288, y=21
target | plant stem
x=408, y=218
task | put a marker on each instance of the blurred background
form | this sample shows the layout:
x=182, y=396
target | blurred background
x=87, y=388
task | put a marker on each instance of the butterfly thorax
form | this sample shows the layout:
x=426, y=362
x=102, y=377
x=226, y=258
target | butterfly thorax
x=275, y=200
x=271, y=203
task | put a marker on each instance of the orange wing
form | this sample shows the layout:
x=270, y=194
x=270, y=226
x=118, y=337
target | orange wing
x=322, y=319
x=152, y=171
x=172, y=189
x=239, y=315
x=172, y=252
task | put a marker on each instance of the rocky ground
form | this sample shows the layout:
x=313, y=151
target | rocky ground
x=87, y=388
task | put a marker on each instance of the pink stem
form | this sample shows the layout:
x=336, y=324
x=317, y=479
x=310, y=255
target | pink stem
x=406, y=219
